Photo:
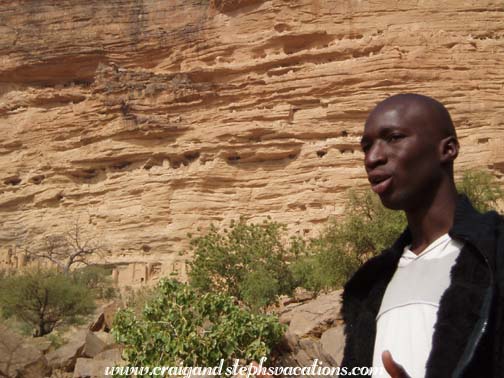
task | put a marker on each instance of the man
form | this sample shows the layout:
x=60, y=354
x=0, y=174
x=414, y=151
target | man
x=430, y=305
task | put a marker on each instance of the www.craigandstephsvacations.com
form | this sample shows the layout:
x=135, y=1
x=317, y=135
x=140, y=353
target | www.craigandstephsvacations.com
x=252, y=370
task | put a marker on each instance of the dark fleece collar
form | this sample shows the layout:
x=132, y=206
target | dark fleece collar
x=469, y=226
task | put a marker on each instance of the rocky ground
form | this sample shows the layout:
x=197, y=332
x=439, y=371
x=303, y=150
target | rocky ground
x=315, y=331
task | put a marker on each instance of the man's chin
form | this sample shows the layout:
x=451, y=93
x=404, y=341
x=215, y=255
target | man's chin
x=391, y=203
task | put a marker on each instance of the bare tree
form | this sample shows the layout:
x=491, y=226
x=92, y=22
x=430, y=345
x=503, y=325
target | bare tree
x=67, y=249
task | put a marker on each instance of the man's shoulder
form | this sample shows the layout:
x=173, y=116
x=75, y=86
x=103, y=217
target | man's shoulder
x=470, y=224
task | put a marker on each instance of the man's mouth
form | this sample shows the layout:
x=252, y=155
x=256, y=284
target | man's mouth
x=379, y=184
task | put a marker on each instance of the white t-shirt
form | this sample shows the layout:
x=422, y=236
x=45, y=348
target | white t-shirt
x=408, y=312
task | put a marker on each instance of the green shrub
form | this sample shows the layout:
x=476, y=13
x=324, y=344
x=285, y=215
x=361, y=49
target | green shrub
x=179, y=326
x=248, y=261
x=254, y=263
x=44, y=299
x=343, y=246
x=368, y=228
x=56, y=340
x=482, y=188
x=259, y=288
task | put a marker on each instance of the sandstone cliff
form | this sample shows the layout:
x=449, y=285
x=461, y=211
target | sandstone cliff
x=149, y=118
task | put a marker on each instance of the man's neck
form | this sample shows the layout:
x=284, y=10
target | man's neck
x=427, y=223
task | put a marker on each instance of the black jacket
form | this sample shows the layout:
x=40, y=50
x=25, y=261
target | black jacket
x=468, y=338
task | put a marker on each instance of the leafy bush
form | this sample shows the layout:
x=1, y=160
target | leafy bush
x=367, y=229
x=248, y=261
x=254, y=263
x=56, y=340
x=179, y=326
x=44, y=299
x=343, y=246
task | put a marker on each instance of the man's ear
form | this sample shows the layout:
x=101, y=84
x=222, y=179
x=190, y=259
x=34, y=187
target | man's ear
x=449, y=149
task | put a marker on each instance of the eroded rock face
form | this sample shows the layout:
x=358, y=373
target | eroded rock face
x=231, y=5
x=148, y=119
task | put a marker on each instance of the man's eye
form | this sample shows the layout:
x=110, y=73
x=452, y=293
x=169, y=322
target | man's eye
x=394, y=137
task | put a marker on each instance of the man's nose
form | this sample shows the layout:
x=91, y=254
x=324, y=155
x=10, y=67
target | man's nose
x=375, y=156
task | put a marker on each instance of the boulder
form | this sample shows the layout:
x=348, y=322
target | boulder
x=18, y=358
x=91, y=368
x=43, y=344
x=57, y=373
x=83, y=343
x=93, y=345
x=114, y=355
x=315, y=331
x=106, y=337
x=300, y=295
x=95, y=367
x=98, y=323
x=332, y=344
x=65, y=356
x=105, y=317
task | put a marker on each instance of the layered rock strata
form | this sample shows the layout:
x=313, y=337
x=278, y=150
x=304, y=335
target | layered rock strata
x=148, y=119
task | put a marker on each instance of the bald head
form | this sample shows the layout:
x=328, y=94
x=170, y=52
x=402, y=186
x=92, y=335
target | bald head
x=409, y=146
x=424, y=111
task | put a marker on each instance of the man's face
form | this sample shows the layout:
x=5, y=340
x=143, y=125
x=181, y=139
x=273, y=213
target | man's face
x=401, y=157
